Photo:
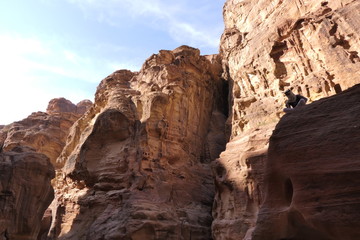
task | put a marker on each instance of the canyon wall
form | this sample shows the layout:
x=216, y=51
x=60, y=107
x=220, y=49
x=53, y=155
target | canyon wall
x=25, y=192
x=28, y=152
x=312, y=173
x=137, y=164
x=267, y=47
x=179, y=150
x=45, y=132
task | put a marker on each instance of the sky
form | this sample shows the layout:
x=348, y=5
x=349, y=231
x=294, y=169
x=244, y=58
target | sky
x=64, y=48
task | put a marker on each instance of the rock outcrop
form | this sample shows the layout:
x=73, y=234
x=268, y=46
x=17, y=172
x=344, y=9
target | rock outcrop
x=312, y=173
x=25, y=192
x=136, y=165
x=267, y=47
x=140, y=162
x=44, y=132
x=62, y=105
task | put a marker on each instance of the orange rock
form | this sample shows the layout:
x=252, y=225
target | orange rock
x=136, y=165
x=44, y=132
x=268, y=47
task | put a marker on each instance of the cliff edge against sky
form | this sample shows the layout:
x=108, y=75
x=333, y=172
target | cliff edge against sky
x=198, y=147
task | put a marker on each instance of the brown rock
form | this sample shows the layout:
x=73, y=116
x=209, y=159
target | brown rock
x=267, y=47
x=136, y=165
x=44, y=132
x=58, y=105
x=25, y=192
x=312, y=173
x=83, y=106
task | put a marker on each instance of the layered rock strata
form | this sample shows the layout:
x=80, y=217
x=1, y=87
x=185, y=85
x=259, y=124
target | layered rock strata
x=25, y=192
x=312, y=173
x=267, y=47
x=44, y=132
x=136, y=165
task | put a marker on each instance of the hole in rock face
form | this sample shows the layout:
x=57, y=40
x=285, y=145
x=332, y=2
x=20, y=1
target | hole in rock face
x=226, y=98
x=289, y=191
x=337, y=88
x=220, y=171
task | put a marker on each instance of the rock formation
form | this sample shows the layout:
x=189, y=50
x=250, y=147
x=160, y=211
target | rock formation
x=136, y=165
x=141, y=161
x=312, y=173
x=25, y=192
x=267, y=47
x=44, y=132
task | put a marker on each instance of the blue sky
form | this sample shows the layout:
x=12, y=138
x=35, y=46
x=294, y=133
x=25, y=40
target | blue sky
x=64, y=48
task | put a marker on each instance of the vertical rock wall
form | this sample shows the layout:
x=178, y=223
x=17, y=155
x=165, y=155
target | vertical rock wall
x=266, y=48
x=136, y=166
x=312, y=173
x=25, y=192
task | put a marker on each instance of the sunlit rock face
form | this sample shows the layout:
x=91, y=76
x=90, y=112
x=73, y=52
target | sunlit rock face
x=137, y=164
x=44, y=132
x=266, y=48
x=25, y=192
x=312, y=173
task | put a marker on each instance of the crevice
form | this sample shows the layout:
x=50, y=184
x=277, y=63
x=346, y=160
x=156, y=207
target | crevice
x=225, y=96
x=333, y=29
x=6, y=236
x=289, y=191
x=277, y=51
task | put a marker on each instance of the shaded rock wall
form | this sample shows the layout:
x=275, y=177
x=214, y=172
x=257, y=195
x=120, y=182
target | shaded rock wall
x=136, y=165
x=25, y=192
x=312, y=173
x=26, y=147
x=266, y=48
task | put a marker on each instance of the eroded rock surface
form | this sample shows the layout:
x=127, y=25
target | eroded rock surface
x=312, y=173
x=25, y=192
x=136, y=165
x=44, y=132
x=268, y=47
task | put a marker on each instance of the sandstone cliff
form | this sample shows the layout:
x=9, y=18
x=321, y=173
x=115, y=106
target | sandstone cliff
x=312, y=173
x=141, y=162
x=44, y=132
x=26, y=149
x=267, y=47
x=25, y=192
x=136, y=165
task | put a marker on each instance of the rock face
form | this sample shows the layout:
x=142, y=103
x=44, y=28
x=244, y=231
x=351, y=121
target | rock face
x=44, y=132
x=136, y=165
x=62, y=105
x=140, y=163
x=312, y=173
x=267, y=47
x=25, y=192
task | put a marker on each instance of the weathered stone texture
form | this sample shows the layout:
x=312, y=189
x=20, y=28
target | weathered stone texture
x=44, y=132
x=267, y=47
x=312, y=173
x=25, y=192
x=136, y=165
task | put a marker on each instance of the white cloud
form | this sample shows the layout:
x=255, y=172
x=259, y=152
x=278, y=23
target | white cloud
x=34, y=71
x=181, y=21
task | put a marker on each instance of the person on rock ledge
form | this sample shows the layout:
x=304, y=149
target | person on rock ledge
x=293, y=101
